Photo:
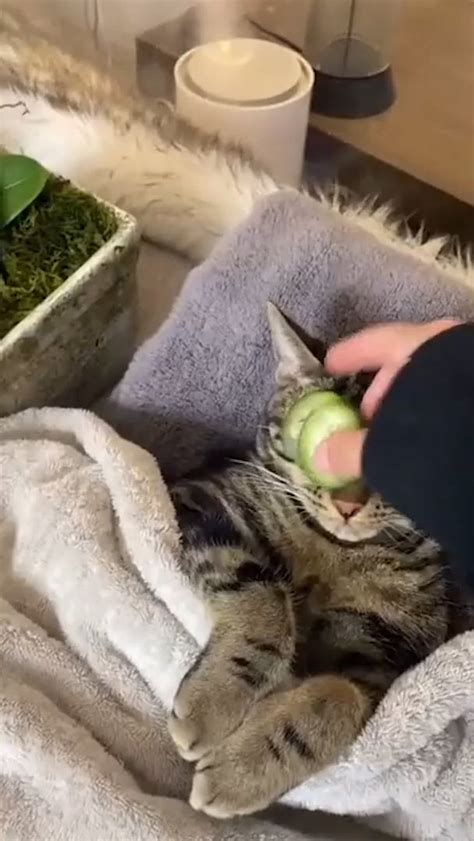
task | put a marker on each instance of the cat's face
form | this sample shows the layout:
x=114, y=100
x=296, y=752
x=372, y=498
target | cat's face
x=297, y=372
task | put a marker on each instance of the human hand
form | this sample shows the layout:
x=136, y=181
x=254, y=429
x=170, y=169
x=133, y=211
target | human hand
x=384, y=348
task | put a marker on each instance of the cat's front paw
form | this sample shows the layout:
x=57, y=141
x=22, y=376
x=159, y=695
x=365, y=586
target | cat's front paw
x=209, y=705
x=240, y=777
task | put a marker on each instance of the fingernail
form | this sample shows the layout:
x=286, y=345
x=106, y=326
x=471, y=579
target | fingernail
x=321, y=458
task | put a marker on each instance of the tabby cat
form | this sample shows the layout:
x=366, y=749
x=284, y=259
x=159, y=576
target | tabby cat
x=317, y=606
x=315, y=612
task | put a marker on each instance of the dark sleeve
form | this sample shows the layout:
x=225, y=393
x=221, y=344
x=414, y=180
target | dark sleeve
x=419, y=452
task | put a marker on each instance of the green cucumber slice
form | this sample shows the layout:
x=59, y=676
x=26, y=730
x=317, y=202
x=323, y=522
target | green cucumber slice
x=313, y=401
x=334, y=416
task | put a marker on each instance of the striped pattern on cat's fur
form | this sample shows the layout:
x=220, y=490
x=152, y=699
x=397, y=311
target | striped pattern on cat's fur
x=314, y=615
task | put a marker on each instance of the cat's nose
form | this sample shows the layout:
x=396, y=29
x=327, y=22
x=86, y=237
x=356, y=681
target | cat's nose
x=347, y=507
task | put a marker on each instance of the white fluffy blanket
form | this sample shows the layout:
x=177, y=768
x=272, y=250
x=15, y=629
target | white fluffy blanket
x=98, y=625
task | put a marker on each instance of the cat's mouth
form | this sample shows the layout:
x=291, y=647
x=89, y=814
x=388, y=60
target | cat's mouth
x=350, y=500
x=346, y=508
x=348, y=516
x=344, y=533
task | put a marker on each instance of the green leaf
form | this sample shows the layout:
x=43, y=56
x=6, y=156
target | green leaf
x=21, y=181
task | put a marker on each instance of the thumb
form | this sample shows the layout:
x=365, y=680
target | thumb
x=341, y=454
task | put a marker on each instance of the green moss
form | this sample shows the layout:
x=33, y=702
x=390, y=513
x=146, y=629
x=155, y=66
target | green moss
x=49, y=241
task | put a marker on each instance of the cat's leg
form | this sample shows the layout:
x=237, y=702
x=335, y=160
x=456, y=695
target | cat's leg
x=248, y=655
x=286, y=738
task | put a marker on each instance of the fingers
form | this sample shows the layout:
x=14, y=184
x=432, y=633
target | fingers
x=369, y=350
x=341, y=454
x=384, y=348
x=378, y=389
x=381, y=345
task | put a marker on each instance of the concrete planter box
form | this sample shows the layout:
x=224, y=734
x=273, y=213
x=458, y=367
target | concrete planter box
x=78, y=341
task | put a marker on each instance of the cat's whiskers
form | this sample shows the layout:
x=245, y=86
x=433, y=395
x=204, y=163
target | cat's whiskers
x=271, y=477
x=279, y=488
x=401, y=532
x=284, y=489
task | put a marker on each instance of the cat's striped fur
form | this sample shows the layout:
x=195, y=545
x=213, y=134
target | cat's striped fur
x=314, y=616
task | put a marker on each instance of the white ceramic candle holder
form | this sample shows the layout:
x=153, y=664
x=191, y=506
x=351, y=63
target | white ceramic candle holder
x=251, y=92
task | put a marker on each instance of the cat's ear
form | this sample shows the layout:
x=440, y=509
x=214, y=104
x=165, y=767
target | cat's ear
x=294, y=360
